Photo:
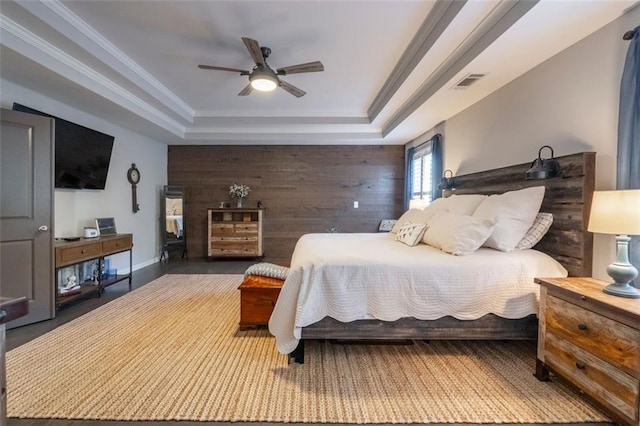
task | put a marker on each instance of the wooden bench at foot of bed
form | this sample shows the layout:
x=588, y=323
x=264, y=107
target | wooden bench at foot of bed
x=258, y=296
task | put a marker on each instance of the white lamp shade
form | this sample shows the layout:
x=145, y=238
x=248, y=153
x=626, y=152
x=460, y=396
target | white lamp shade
x=615, y=212
x=418, y=204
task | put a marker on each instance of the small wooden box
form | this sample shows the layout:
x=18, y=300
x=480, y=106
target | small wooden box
x=258, y=296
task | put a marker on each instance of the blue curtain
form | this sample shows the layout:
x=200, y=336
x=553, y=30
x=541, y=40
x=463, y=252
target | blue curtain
x=436, y=165
x=628, y=164
x=409, y=177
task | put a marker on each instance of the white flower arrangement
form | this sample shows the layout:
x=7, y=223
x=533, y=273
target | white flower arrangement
x=239, y=191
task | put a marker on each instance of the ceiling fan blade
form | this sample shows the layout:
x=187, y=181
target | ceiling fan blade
x=298, y=93
x=212, y=67
x=247, y=90
x=254, y=49
x=296, y=69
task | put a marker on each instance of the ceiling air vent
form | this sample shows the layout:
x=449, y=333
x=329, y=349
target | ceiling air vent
x=468, y=80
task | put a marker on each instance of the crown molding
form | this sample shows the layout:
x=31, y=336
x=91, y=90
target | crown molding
x=240, y=119
x=504, y=15
x=63, y=20
x=18, y=38
x=436, y=22
x=257, y=135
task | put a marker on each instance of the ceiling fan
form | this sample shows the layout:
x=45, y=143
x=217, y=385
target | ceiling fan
x=262, y=77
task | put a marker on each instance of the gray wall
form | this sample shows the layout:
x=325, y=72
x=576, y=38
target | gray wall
x=75, y=209
x=569, y=102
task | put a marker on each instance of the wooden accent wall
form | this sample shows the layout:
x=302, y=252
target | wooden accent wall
x=303, y=189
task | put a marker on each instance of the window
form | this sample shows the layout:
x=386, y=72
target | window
x=424, y=171
x=420, y=173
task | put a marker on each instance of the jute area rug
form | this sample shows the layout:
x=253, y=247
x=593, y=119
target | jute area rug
x=171, y=350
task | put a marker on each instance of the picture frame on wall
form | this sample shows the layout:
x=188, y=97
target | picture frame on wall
x=106, y=225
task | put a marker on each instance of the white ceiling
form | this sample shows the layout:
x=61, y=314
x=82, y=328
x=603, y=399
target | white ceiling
x=389, y=65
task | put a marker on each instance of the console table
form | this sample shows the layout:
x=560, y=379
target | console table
x=72, y=253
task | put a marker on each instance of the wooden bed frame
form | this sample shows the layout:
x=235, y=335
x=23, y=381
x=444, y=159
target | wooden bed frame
x=567, y=197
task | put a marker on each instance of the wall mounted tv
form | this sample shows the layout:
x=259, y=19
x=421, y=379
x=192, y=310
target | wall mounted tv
x=82, y=155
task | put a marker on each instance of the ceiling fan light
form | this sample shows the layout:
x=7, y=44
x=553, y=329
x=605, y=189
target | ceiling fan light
x=263, y=82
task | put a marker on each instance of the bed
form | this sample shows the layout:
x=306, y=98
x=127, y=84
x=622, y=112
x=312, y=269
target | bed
x=329, y=271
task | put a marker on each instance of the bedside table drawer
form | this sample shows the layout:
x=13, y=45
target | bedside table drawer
x=605, y=338
x=606, y=384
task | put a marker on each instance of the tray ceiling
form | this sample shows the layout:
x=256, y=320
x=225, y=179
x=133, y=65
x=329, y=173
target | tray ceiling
x=391, y=67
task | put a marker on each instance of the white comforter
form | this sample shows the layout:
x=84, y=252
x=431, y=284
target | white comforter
x=356, y=276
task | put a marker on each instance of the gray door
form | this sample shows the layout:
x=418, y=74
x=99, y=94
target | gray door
x=26, y=213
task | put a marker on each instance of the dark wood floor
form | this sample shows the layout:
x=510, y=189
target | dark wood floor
x=21, y=335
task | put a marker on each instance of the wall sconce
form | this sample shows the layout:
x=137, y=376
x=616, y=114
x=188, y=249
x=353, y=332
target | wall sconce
x=543, y=168
x=447, y=181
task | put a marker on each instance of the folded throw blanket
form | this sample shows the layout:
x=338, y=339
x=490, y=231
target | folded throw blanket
x=265, y=269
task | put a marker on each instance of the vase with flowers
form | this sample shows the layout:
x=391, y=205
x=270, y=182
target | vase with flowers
x=240, y=192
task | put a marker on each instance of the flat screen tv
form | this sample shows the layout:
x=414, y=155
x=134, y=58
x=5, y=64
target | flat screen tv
x=82, y=155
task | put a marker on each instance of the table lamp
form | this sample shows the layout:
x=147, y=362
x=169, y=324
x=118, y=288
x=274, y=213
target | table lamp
x=618, y=212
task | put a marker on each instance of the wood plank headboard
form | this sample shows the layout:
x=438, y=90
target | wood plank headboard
x=567, y=197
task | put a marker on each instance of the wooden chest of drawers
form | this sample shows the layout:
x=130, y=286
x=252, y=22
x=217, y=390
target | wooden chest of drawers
x=258, y=296
x=592, y=340
x=235, y=233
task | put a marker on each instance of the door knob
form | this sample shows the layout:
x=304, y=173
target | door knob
x=43, y=228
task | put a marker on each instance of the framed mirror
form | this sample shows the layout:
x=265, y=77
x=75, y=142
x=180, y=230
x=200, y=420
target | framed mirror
x=172, y=223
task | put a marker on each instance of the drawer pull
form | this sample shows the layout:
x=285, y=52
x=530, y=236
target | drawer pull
x=580, y=365
x=582, y=327
x=82, y=251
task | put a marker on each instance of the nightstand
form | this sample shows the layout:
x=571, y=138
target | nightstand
x=592, y=340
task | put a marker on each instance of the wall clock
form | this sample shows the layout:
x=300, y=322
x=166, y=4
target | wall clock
x=133, y=176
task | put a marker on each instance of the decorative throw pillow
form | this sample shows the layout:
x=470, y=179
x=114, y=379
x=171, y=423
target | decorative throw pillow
x=461, y=204
x=540, y=226
x=514, y=213
x=411, y=233
x=413, y=216
x=457, y=234
x=268, y=270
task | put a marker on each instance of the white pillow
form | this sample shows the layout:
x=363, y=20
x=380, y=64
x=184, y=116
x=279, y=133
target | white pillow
x=413, y=216
x=540, y=226
x=457, y=233
x=411, y=233
x=461, y=204
x=514, y=213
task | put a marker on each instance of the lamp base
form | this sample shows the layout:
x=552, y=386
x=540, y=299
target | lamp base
x=622, y=272
x=622, y=290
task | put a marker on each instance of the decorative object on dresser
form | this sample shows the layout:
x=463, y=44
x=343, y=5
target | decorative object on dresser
x=543, y=168
x=106, y=225
x=592, y=340
x=240, y=192
x=234, y=232
x=81, y=266
x=618, y=212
